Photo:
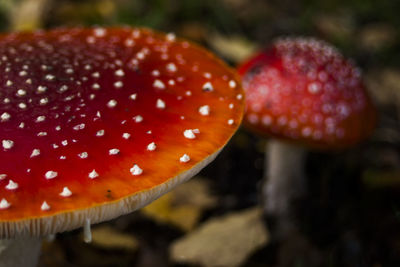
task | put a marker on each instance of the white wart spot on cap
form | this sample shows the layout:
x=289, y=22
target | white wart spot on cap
x=11, y=185
x=136, y=170
x=113, y=151
x=204, y=110
x=160, y=104
x=159, y=84
x=83, y=155
x=4, y=204
x=138, y=118
x=35, y=153
x=51, y=175
x=208, y=87
x=189, y=134
x=66, y=192
x=93, y=174
x=7, y=144
x=45, y=206
x=100, y=133
x=184, y=158
x=152, y=146
x=5, y=116
x=112, y=103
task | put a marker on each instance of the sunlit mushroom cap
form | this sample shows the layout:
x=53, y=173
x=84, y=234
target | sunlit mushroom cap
x=98, y=122
x=305, y=91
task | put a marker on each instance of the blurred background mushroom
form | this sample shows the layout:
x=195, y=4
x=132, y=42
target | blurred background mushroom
x=351, y=215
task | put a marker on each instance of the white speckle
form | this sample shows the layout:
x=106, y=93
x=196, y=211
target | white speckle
x=99, y=32
x=9, y=83
x=230, y=121
x=58, y=128
x=208, y=87
x=66, y=192
x=136, y=170
x=50, y=77
x=207, y=75
x=112, y=103
x=41, y=89
x=171, y=82
x=29, y=81
x=11, y=185
x=95, y=74
x=159, y=84
x=3, y=176
x=232, y=84
x=171, y=37
x=44, y=101
x=64, y=142
x=151, y=147
x=113, y=151
x=266, y=120
x=119, y=73
x=63, y=157
x=306, y=131
x=5, y=116
x=40, y=118
x=44, y=206
x=129, y=42
x=55, y=146
x=160, y=104
x=21, y=125
x=204, y=110
x=79, y=127
x=42, y=134
x=314, y=88
x=231, y=106
x=138, y=118
x=100, y=133
x=22, y=73
x=93, y=174
x=35, y=152
x=239, y=96
x=171, y=67
x=63, y=88
x=4, y=204
x=96, y=86
x=7, y=144
x=51, y=175
x=83, y=155
x=21, y=92
x=189, y=134
x=126, y=136
x=133, y=96
x=118, y=84
x=184, y=158
x=155, y=73
x=6, y=100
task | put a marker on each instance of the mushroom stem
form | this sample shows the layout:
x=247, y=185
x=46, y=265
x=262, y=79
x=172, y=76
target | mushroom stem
x=283, y=183
x=20, y=252
x=87, y=233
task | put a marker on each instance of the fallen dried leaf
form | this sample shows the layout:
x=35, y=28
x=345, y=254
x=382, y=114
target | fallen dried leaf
x=224, y=241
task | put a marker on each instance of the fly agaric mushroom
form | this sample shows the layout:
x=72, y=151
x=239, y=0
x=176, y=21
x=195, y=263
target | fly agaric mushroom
x=303, y=93
x=98, y=122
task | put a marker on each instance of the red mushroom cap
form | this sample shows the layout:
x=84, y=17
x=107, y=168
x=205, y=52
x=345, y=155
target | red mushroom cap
x=98, y=122
x=304, y=90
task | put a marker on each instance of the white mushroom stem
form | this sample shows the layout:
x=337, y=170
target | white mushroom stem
x=283, y=183
x=87, y=233
x=20, y=252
